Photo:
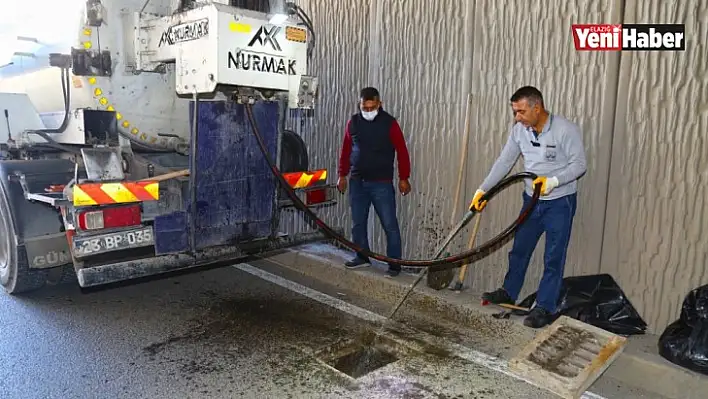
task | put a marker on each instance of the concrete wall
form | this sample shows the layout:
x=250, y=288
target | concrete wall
x=655, y=240
x=644, y=118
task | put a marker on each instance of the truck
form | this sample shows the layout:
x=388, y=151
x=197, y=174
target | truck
x=146, y=163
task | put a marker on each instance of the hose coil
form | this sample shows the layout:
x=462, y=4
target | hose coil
x=448, y=262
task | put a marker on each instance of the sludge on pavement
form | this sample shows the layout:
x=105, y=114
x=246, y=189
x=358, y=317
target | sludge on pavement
x=268, y=344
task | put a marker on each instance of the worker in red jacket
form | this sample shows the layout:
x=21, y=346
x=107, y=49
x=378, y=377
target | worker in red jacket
x=372, y=139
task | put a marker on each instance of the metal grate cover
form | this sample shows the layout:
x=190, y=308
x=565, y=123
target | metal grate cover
x=568, y=356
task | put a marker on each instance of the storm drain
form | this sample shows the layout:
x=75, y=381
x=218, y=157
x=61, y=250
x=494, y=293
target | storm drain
x=362, y=360
x=359, y=357
x=568, y=356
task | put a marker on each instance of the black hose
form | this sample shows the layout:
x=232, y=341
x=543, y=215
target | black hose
x=293, y=8
x=449, y=262
x=66, y=91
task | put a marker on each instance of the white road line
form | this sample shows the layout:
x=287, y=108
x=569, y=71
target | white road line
x=480, y=358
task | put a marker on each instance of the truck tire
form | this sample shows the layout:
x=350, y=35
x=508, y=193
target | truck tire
x=293, y=153
x=15, y=275
x=293, y=156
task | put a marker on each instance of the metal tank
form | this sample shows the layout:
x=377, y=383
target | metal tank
x=147, y=109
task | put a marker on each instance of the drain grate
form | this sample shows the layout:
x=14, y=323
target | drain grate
x=568, y=356
x=359, y=357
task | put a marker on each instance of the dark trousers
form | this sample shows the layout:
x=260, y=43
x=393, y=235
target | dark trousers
x=555, y=218
x=382, y=195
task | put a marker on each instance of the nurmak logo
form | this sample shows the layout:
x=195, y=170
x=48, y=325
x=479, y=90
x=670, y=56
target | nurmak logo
x=266, y=36
x=185, y=32
x=626, y=37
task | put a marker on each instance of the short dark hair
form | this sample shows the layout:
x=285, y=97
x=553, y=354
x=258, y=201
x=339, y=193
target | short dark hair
x=369, y=93
x=530, y=93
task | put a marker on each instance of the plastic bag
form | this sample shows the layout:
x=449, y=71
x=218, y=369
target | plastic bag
x=685, y=341
x=596, y=300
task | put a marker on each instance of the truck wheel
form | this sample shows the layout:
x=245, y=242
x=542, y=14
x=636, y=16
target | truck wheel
x=293, y=153
x=15, y=275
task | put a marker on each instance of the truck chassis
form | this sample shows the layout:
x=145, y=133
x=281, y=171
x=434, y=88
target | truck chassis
x=44, y=226
x=83, y=194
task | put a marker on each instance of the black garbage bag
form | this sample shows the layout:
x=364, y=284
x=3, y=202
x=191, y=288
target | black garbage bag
x=685, y=341
x=599, y=301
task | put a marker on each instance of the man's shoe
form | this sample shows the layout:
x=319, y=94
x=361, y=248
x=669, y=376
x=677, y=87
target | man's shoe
x=498, y=297
x=393, y=271
x=356, y=263
x=537, y=318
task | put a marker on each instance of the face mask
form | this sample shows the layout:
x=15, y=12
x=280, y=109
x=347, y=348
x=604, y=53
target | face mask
x=369, y=116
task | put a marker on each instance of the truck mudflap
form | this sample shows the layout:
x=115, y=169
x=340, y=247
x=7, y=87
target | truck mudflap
x=216, y=256
x=33, y=218
x=47, y=251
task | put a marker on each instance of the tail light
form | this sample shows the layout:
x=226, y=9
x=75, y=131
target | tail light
x=109, y=218
x=316, y=196
x=319, y=195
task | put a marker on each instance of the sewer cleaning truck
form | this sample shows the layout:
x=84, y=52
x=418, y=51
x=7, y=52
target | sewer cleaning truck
x=128, y=151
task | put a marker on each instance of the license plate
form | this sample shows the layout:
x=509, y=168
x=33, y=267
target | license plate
x=84, y=246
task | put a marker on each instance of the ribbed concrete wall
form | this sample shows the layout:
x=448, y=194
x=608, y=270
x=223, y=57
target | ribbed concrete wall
x=426, y=57
x=341, y=62
x=512, y=49
x=655, y=240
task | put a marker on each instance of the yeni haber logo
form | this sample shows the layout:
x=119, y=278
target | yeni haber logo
x=636, y=37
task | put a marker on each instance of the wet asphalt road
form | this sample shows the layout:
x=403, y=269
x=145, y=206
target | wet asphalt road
x=217, y=333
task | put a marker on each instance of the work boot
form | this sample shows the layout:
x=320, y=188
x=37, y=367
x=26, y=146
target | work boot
x=357, y=262
x=498, y=297
x=538, y=317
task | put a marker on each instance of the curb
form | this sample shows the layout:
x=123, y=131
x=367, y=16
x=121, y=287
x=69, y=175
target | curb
x=635, y=367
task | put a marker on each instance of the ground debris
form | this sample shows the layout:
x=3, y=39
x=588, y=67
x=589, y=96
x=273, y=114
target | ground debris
x=233, y=328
